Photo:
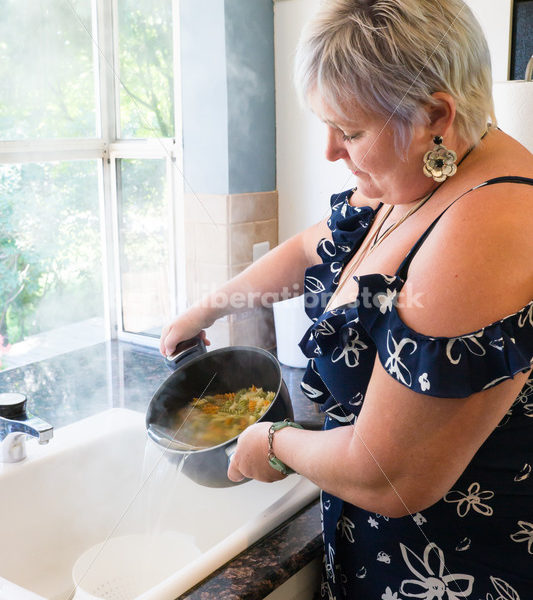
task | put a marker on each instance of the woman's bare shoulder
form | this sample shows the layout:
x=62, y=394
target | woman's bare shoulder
x=475, y=267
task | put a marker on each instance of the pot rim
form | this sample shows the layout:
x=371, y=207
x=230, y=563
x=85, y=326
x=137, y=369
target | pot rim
x=159, y=439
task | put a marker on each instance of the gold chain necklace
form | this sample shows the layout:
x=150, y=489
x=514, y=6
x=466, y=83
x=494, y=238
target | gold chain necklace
x=374, y=241
x=368, y=246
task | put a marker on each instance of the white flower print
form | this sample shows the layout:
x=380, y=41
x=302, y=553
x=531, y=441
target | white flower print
x=523, y=398
x=524, y=534
x=346, y=527
x=387, y=300
x=463, y=545
x=373, y=523
x=378, y=516
x=394, y=363
x=424, y=382
x=344, y=418
x=388, y=279
x=526, y=316
x=325, y=591
x=430, y=582
x=361, y=573
x=327, y=246
x=419, y=519
x=498, y=343
x=472, y=499
x=325, y=328
x=314, y=285
x=350, y=352
x=383, y=557
x=336, y=269
x=330, y=563
x=388, y=595
x=357, y=399
x=310, y=391
x=523, y=474
x=505, y=591
x=471, y=344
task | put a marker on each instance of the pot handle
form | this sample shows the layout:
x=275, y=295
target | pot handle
x=185, y=351
x=230, y=451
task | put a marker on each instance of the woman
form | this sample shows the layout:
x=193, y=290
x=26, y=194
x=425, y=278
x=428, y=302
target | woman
x=419, y=285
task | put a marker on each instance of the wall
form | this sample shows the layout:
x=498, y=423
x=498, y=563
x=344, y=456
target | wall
x=229, y=148
x=227, y=64
x=305, y=179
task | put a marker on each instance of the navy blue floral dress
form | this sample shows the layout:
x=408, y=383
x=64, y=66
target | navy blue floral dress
x=477, y=541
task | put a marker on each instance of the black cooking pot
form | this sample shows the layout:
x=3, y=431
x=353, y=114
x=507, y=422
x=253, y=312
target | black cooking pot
x=198, y=373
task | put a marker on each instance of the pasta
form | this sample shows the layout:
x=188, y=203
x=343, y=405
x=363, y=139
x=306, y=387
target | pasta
x=217, y=418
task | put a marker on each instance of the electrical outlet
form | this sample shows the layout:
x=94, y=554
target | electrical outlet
x=259, y=250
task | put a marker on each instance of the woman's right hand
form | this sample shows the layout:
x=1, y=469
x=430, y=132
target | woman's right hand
x=183, y=327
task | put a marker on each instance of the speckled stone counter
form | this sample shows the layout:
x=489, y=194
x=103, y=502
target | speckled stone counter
x=76, y=385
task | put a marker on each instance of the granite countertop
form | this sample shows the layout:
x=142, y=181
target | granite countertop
x=70, y=387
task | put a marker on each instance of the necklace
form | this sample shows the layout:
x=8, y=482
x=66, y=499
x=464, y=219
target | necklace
x=375, y=240
x=372, y=242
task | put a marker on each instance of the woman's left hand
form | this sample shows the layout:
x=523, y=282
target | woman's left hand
x=251, y=456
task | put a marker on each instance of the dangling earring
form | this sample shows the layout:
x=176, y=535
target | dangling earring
x=439, y=163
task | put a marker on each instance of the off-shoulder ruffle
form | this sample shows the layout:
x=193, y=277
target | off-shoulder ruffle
x=350, y=335
x=445, y=367
x=348, y=225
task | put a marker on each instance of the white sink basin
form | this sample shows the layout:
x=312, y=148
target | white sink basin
x=96, y=480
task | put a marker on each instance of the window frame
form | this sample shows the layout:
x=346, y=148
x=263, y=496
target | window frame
x=108, y=148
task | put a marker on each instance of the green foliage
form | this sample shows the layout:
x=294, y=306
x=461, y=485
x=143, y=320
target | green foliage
x=50, y=239
x=146, y=58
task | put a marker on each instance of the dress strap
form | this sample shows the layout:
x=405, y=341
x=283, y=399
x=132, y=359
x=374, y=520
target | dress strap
x=404, y=266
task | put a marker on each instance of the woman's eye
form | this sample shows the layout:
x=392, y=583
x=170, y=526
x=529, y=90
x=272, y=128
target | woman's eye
x=349, y=138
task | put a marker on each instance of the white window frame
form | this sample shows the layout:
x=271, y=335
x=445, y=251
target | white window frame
x=107, y=147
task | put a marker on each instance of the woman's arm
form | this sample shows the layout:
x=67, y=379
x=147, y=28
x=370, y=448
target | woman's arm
x=277, y=274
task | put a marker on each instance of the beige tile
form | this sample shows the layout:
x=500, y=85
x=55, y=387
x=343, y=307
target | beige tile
x=210, y=243
x=260, y=206
x=219, y=334
x=206, y=208
x=253, y=328
x=245, y=235
x=236, y=269
x=205, y=278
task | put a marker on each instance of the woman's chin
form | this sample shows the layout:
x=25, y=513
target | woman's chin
x=366, y=188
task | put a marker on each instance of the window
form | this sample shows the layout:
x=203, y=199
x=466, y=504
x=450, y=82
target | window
x=90, y=186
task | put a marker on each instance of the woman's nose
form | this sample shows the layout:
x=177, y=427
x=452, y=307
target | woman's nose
x=335, y=148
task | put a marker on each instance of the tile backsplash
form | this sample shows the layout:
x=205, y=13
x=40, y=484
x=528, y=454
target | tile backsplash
x=221, y=231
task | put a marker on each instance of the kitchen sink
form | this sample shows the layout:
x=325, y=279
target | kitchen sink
x=100, y=481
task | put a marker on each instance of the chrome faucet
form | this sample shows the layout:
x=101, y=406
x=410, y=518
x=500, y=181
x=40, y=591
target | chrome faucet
x=15, y=424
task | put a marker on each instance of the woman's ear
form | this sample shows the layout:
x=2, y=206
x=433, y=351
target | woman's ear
x=441, y=113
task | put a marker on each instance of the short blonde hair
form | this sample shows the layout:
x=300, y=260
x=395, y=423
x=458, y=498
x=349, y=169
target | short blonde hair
x=391, y=55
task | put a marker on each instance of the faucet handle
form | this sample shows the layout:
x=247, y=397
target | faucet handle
x=12, y=405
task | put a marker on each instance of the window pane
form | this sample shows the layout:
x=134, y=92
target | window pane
x=50, y=259
x=46, y=70
x=145, y=54
x=144, y=245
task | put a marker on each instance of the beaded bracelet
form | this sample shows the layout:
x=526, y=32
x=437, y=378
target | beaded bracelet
x=273, y=460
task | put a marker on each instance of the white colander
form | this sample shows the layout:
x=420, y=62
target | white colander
x=124, y=567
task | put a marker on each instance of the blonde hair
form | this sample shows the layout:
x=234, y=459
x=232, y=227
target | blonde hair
x=391, y=55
